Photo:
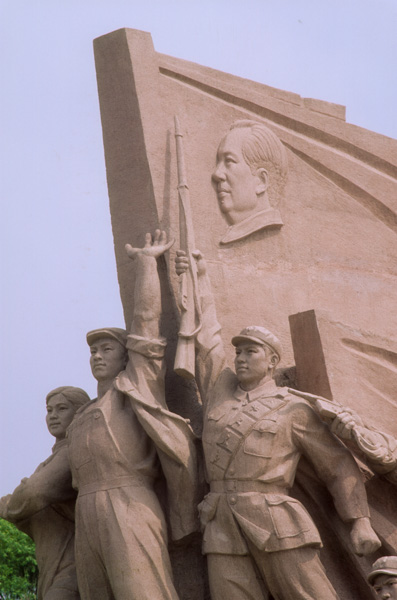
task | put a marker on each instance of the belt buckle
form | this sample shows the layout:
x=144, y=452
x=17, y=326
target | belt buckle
x=231, y=485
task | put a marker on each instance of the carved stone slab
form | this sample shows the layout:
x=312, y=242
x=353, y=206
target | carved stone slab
x=337, y=247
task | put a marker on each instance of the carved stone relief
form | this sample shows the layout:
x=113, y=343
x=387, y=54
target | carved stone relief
x=250, y=173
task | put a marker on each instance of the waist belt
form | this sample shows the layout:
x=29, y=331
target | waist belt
x=224, y=486
x=109, y=484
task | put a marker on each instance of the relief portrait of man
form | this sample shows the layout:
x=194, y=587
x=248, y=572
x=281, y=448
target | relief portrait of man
x=251, y=169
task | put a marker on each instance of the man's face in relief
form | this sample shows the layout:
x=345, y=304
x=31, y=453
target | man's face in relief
x=235, y=185
x=252, y=364
x=108, y=358
x=385, y=587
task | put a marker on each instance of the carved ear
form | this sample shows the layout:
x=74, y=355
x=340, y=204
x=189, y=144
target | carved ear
x=263, y=184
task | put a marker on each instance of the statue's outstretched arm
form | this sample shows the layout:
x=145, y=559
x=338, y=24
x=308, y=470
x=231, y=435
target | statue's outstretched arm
x=147, y=295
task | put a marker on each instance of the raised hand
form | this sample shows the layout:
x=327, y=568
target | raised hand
x=153, y=247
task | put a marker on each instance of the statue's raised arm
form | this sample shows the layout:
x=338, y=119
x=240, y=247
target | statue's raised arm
x=118, y=446
x=147, y=296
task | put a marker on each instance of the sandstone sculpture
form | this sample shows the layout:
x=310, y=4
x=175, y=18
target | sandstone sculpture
x=43, y=504
x=325, y=280
x=115, y=444
x=250, y=159
x=313, y=257
x=253, y=436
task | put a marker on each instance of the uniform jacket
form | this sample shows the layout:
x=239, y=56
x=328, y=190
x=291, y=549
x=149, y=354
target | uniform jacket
x=252, y=445
x=118, y=440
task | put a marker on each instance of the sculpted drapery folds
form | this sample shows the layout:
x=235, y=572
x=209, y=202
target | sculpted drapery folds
x=43, y=504
x=117, y=444
x=253, y=436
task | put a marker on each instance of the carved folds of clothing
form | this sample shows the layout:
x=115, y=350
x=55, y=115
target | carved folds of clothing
x=252, y=444
x=116, y=445
x=263, y=219
x=43, y=507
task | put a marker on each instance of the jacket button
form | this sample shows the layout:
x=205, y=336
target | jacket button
x=97, y=416
x=233, y=500
x=232, y=471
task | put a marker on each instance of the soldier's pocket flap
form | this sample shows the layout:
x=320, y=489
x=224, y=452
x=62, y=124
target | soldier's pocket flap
x=269, y=425
x=274, y=499
x=260, y=440
x=216, y=413
x=289, y=516
x=207, y=508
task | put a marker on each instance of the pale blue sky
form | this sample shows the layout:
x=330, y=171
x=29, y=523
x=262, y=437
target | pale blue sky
x=58, y=270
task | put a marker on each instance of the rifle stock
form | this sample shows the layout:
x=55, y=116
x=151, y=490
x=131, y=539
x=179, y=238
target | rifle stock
x=327, y=408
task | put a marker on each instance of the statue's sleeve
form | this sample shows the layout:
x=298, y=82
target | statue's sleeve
x=50, y=483
x=333, y=463
x=143, y=383
x=379, y=448
x=146, y=367
x=391, y=476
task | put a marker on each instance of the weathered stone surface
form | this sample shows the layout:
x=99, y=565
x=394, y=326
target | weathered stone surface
x=332, y=249
x=336, y=249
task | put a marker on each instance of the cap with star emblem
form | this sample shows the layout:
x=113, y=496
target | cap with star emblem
x=258, y=335
x=108, y=332
x=387, y=565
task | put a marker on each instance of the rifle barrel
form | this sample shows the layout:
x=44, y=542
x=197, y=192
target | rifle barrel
x=180, y=158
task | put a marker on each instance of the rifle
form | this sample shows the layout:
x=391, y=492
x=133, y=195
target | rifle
x=327, y=408
x=189, y=302
x=375, y=445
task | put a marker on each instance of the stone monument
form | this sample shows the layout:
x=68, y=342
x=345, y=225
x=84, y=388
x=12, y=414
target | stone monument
x=295, y=212
x=309, y=251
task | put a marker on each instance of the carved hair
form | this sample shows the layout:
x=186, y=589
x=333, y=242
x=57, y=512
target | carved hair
x=74, y=395
x=261, y=148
